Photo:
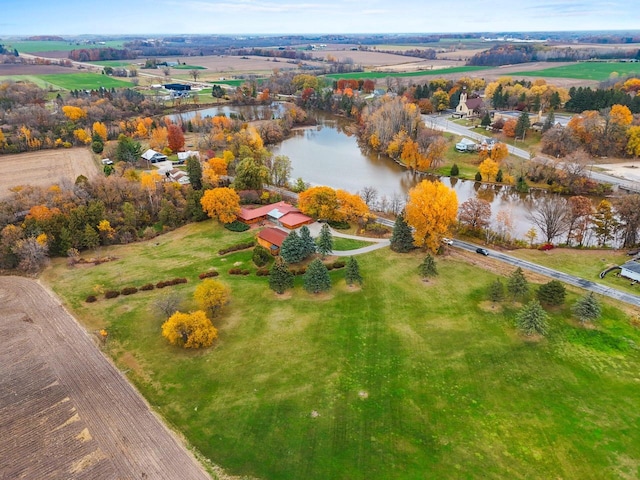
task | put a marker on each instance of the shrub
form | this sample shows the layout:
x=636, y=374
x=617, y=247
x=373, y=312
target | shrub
x=455, y=171
x=546, y=246
x=129, y=290
x=262, y=272
x=148, y=286
x=235, y=271
x=237, y=247
x=339, y=264
x=246, y=272
x=111, y=294
x=377, y=228
x=236, y=226
x=339, y=225
x=91, y=299
x=209, y=274
x=162, y=284
x=261, y=256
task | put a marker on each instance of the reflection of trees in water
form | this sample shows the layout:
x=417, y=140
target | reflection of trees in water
x=486, y=192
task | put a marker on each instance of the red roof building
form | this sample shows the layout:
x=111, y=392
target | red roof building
x=272, y=238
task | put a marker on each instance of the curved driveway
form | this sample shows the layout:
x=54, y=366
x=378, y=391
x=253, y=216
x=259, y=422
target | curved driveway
x=549, y=272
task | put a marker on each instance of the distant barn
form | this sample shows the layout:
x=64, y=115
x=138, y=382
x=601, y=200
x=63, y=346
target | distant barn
x=178, y=87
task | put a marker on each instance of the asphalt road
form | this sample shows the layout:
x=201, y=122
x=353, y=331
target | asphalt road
x=563, y=277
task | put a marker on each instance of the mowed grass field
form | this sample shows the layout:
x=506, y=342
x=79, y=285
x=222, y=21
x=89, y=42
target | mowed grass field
x=585, y=71
x=400, y=379
x=81, y=81
x=421, y=73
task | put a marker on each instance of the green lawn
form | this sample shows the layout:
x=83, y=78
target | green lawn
x=422, y=73
x=75, y=81
x=26, y=78
x=342, y=244
x=585, y=71
x=400, y=379
x=27, y=46
x=113, y=63
x=189, y=67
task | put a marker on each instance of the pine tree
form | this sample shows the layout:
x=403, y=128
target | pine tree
x=552, y=293
x=352, y=273
x=532, y=319
x=478, y=177
x=292, y=249
x=455, y=170
x=486, y=120
x=549, y=122
x=523, y=125
x=499, y=176
x=280, y=278
x=428, y=267
x=90, y=238
x=587, y=308
x=325, y=241
x=496, y=291
x=401, y=239
x=517, y=286
x=194, y=171
x=308, y=245
x=316, y=278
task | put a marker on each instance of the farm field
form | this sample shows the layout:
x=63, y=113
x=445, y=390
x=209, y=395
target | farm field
x=44, y=167
x=585, y=70
x=400, y=379
x=80, y=81
x=28, y=46
x=421, y=73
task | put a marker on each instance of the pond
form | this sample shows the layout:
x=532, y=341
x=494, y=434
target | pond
x=244, y=112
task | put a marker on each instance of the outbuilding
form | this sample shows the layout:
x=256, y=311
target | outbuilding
x=153, y=156
x=631, y=270
x=271, y=239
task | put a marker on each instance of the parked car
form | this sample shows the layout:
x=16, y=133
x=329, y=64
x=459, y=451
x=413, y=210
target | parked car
x=482, y=251
x=447, y=241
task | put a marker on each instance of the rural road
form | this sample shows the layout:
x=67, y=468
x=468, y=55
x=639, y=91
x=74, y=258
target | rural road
x=563, y=277
x=377, y=243
x=444, y=123
x=66, y=412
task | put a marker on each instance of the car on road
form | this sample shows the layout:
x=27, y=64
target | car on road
x=447, y=241
x=482, y=251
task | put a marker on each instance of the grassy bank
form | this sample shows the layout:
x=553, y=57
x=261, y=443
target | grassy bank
x=398, y=380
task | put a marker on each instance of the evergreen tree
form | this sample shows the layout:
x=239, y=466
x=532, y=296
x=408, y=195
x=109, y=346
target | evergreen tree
x=194, y=171
x=478, y=177
x=194, y=207
x=428, y=267
x=292, y=249
x=587, y=308
x=499, y=176
x=316, y=278
x=280, y=278
x=308, y=245
x=496, y=291
x=261, y=256
x=517, y=285
x=325, y=241
x=352, y=273
x=401, y=238
x=455, y=171
x=552, y=293
x=532, y=319
x=522, y=125
x=486, y=120
x=90, y=238
x=549, y=122
x=522, y=186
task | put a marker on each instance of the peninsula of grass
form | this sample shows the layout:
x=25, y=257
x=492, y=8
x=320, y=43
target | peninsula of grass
x=341, y=244
x=420, y=73
x=599, y=71
x=400, y=379
x=83, y=81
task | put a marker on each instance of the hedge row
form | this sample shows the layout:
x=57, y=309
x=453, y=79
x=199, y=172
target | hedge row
x=236, y=226
x=238, y=271
x=263, y=272
x=237, y=247
x=210, y=274
x=132, y=290
x=168, y=283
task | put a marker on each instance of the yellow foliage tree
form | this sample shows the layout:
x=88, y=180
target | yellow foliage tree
x=82, y=136
x=410, y=155
x=499, y=152
x=319, y=202
x=633, y=142
x=141, y=130
x=159, y=138
x=106, y=230
x=74, y=113
x=100, y=128
x=211, y=295
x=2, y=139
x=431, y=210
x=351, y=207
x=189, y=330
x=42, y=213
x=213, y=168
x=488, y=169
x=42, y=239
x=621, y=115
x=221, y=203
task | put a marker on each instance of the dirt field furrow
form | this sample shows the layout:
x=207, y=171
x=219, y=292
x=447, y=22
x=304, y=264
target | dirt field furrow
x=67, y=411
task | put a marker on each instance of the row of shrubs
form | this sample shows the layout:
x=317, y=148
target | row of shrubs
x=209, y=274
x=330, y=266
x=236, y=226
x=238, y=271
x=132, y=290
x=237, y=247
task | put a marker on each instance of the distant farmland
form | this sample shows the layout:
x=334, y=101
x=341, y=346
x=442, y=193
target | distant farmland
x=44, y=46
x=81, y=81
x=598, y=71
x=420, y=73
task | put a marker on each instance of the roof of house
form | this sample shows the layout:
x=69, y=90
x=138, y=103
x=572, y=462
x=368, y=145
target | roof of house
x=253, y=213
x=473, y=103
x=294, y=218
x=150, y=154
x=466, y=141
x=187, y=154
x=632, y=266
x=274, y=236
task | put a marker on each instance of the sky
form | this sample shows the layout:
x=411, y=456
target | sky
x=147, y=17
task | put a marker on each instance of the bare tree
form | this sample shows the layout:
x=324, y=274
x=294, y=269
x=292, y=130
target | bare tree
x=578, y=218
x=168, y=304
x=628, y=209
x=167, y=72
x=550, y=214
x=194, y=73
x=475, y=214
x=396, y=204
x=32, y=254
x=369, y=195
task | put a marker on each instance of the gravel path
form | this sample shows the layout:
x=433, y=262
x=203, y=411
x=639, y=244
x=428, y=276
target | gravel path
x=66, y=412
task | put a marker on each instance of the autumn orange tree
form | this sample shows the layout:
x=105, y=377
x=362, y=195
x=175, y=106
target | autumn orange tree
x=509, y=128
x=175, y=137
x=351, y=207
x=431, y=209
x=189, y=330
x=213, y=168
x=221, y=203
x=100, y=129
x=319, y=202
x=499, y=152
x=211, y=295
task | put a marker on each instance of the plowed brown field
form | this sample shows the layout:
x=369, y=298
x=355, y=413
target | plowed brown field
x=65, y=411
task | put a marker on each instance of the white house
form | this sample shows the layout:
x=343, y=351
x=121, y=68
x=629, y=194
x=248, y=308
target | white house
x=466, y=145
x=182, y=156
x=153, y=156
x=631, y=270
